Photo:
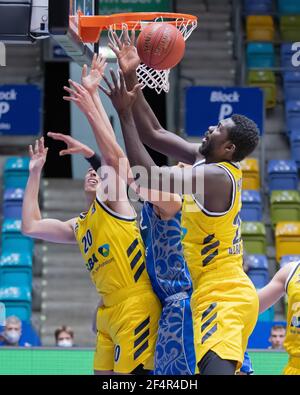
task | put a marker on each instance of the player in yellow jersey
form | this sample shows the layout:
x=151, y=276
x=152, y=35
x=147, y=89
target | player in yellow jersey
x=225, y=303
x=113, y=253
x=286, y=281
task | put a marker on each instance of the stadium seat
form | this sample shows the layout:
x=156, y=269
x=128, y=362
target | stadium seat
x=290, y=28
x=283, y=175
x=12, y=238
x=287, y=237
x=260, y=55
x=16, y=172
x=258, y=270
x=251, y=206
x=12, y=203
x=291, y=85
x=285, y=206
x=286, y=7
x=17, y=302
x=292, y=113
x=295, y=147
x=16, y=270
x=264, y=79
x=286, y=54
x=260, y=28
x=288, y=258
x=254, y=237
x=258, y=7
x=251, y=176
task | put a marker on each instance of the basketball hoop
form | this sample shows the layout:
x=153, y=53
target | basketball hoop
x=91, y=27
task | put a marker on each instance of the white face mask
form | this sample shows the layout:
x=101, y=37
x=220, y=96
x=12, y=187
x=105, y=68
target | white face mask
x=65, y=343
x=12, y=336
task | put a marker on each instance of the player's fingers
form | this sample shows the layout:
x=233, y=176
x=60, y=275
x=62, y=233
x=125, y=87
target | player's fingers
x=76, y=86
x=41, y=145
x=136, y=88
x=114, y=78
x=117, y=40
x=36, y=147
x=70, y=98
x=58, y=136
x=84, y=71
x=71, y=91
x=94, y=61
x=106, y=91
x=132, y=37
x=126, y=39
x=114, y=49
x=67, y=151
x=30, y=151
x=122, y=81
x=109, y=85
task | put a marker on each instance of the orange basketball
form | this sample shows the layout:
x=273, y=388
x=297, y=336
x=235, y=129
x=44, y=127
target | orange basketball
x=160, y=46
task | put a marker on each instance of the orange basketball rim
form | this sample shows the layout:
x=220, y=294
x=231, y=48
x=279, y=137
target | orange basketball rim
x=91, y=26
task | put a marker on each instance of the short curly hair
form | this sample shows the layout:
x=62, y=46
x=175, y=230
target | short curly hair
x=244, y=135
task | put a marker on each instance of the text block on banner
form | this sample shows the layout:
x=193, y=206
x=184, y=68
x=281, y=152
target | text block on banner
x=20, y=110
x=206, y=106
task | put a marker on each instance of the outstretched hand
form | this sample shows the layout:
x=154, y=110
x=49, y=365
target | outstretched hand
x=91, y=80
x=37, y=155
x=126, y=52
x=73, y=146
x=121, y=98
x=80, y=96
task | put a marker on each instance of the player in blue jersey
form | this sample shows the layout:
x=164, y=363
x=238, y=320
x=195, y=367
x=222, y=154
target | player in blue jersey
x=171, y=281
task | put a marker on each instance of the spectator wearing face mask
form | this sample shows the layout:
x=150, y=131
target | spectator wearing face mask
x=64, y=337
x=12, y=333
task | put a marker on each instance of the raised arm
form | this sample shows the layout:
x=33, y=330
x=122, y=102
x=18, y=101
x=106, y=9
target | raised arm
x=186, y=180
x=32, y=223
x=272, y=292
x=150, y=130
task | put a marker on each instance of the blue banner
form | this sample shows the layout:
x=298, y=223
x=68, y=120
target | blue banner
x=20, y=110
x=206, y=106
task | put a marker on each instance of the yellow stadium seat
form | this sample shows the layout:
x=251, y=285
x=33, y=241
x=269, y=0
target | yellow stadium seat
x=287, y=238
x=266, y=80
x=251, y=176
x=260, y=28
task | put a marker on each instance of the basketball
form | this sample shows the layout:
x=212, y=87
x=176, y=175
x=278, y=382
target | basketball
x=160, y=46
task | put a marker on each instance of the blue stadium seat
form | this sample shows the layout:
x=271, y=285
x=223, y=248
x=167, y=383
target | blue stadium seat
x=283, y=175
x=292, y=113
x=295, y=146
x=291, y=85
x=260, y=55
x=289, y=7
x=258, y=7
x=258, y=270
x=16, y=172
x=286, y=54
x=16, y=270
x=288, y=258
x=251, y=206
x=12, y=203
x=17, y=302
x=12, y=238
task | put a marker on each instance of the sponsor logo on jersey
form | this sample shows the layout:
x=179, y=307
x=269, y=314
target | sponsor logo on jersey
x=104, y=250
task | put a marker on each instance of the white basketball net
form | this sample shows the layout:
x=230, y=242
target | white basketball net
x=147, y=76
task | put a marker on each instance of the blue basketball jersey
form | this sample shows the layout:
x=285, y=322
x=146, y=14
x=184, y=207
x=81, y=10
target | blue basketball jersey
x=171, y=281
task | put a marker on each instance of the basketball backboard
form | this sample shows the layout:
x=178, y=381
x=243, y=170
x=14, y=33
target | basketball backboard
x=63, y=27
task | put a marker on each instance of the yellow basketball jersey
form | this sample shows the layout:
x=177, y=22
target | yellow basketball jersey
x=112, y=249
x=292, y=340
x=213, y=240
